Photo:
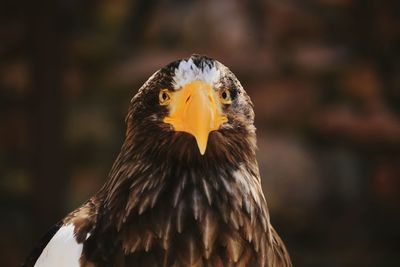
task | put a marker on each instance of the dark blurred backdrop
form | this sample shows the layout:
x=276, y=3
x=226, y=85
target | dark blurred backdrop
x=324, y=76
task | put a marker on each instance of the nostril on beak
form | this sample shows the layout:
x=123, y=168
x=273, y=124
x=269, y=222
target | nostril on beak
x=187, y=99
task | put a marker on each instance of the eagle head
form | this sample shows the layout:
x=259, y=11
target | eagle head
x=193, y=109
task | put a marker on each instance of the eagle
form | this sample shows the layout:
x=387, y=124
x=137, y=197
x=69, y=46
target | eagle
x=185, y=189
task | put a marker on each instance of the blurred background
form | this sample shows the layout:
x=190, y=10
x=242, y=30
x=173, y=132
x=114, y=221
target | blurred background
x=324, y=76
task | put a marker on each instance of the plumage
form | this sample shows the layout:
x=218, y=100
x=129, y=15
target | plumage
x=185, y=189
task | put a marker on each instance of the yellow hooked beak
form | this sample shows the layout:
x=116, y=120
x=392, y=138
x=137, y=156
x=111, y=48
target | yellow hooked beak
x=195, y=109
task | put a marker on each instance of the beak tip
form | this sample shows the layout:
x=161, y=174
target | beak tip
x=202, y=145
x=202, y=151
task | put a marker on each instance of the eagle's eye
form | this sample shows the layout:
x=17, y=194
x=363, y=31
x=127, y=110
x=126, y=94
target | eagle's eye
x=164, y=97
x=225, y=97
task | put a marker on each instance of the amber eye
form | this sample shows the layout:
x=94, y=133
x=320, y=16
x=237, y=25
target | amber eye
x=164, y=97
x=225, y=97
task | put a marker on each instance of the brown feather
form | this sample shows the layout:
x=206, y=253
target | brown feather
x=234, y=246
x=209, y=229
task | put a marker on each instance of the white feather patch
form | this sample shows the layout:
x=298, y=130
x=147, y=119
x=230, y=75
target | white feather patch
x=63, y=250
x=187, y=72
